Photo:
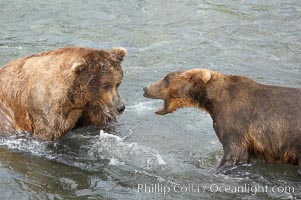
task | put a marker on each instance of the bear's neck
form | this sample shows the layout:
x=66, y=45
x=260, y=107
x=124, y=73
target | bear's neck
x=210, y=97
x=202, y=102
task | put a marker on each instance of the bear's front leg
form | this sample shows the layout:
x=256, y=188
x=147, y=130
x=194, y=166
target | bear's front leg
x=234, y=155
x=235, y=148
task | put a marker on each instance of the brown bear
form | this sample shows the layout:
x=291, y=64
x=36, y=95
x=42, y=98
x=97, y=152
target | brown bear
x=53, y=92
x=250, y=119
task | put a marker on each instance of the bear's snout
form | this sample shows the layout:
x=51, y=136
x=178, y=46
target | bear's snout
x=149, y=92
x=145, y=89
x=120, y=109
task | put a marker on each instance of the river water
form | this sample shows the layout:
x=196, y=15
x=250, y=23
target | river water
x=180, y=151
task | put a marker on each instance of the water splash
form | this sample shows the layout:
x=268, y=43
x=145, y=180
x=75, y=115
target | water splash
x=119, y=152
x=22, y=141
x=90, y=152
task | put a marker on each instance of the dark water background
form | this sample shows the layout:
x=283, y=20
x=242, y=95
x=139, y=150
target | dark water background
x=259, y=39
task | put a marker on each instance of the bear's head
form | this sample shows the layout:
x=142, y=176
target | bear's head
x=98, y=75
x=180, y=89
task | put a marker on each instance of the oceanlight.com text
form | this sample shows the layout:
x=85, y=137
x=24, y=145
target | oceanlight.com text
x=212, y=188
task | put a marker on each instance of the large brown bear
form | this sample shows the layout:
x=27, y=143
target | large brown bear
x=249, y=118
x=51, y=93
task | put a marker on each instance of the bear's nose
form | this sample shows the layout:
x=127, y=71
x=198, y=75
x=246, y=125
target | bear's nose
x=145, y=89
x=121, y=108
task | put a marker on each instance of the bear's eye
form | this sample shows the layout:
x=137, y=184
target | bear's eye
x=106, y=86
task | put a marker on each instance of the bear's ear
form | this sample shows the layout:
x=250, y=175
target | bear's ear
x=199, y=76
x=77, y=67
x=119, y=53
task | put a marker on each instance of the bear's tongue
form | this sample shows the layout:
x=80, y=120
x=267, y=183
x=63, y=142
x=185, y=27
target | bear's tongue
x=161, y=109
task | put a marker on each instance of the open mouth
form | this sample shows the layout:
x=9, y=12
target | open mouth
x=162, y=109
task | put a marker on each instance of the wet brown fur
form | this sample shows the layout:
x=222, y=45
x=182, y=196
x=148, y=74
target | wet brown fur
x=249, y=118
x=52, y=92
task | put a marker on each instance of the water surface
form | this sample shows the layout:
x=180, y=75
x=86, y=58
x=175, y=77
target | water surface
x=258, y=39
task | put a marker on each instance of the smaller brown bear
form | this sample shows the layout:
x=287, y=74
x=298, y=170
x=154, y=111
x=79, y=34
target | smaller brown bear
x=249, y=118
x=53, y=92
